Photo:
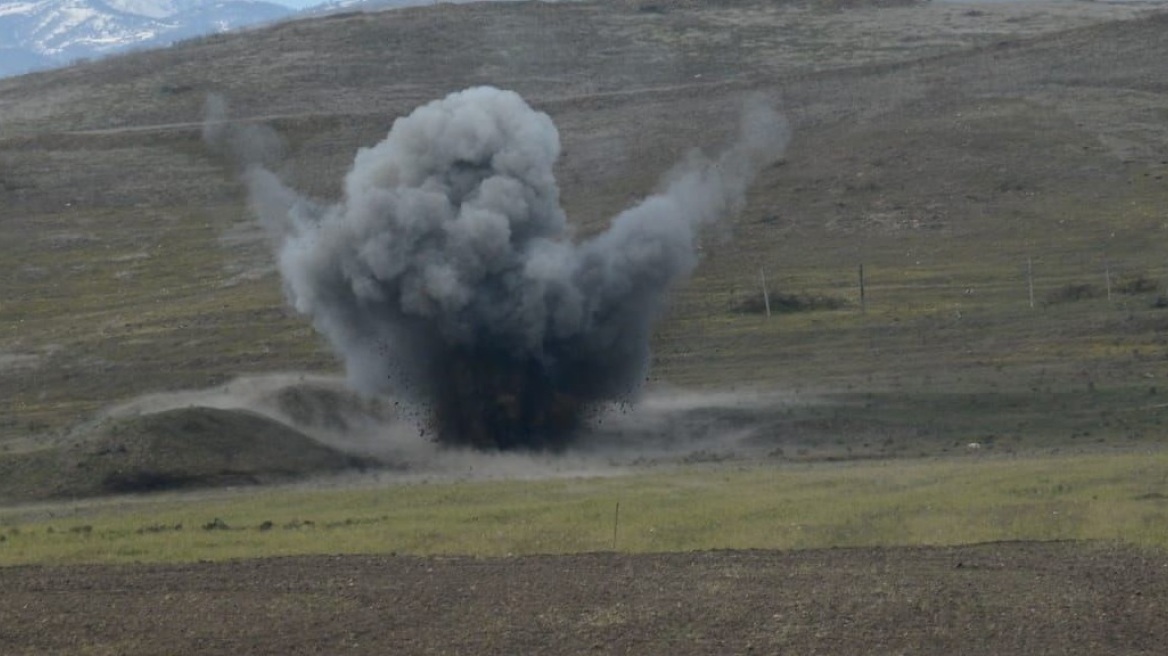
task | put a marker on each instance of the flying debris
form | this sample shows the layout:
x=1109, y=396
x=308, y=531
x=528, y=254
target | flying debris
x=447, y=272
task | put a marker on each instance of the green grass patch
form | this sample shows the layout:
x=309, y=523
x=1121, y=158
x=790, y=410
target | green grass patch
x=1114, y=497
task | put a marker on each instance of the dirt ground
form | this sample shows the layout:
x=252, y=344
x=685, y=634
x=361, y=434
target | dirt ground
x=1006, y=598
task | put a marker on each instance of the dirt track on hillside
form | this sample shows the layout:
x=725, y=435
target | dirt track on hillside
x=1011, y=598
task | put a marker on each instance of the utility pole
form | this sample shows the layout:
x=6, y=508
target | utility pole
x=766, y=297
x=1107, y=277
x=863, y=297
x=1030, y=279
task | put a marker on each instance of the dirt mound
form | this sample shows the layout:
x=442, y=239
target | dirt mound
x=328, y=406
x=192, y=447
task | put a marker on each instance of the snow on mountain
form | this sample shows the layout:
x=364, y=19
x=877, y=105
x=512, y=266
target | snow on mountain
x=152, y=8
x=342, y=6
x=37, y=34
x=328, y=7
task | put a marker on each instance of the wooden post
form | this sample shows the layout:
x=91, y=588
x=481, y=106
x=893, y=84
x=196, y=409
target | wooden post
x=766, y=297
x=1107, y=278
x=1030, y=279
x=615, y=524
x=863, y=296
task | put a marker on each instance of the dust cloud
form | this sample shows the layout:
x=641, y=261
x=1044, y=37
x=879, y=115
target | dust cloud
x=447, y=276
x=665, y=427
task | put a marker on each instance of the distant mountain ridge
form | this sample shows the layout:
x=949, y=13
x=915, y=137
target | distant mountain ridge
x=39, y=34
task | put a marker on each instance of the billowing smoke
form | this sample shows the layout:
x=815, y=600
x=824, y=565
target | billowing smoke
x=448, y=273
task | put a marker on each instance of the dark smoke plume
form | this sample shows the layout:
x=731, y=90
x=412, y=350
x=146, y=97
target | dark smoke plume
x=447, y=272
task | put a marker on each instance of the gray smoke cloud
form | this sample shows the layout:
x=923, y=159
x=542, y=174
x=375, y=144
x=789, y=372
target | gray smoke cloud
x=448, y=273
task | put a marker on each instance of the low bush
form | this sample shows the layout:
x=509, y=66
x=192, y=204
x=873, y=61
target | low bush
x=781, y=303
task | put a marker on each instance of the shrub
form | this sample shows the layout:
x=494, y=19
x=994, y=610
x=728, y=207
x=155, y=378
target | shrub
x=1137, y=283
x=1076, y=291
x=788, y=303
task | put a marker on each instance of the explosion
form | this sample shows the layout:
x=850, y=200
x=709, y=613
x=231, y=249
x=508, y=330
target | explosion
x=447, y=272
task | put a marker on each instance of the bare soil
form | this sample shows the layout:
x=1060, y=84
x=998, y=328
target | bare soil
x=1004, y=598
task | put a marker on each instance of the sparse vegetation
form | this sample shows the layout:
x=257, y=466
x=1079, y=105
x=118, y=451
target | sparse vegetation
x=1136, y=283
x=783, y=303
x=1074, y=292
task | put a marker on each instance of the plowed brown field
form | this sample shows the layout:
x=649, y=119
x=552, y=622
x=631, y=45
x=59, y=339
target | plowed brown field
x=1006, y=598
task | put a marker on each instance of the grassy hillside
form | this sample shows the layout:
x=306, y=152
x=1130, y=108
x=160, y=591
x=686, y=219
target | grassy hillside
x=1119, y=498
x=959, y=154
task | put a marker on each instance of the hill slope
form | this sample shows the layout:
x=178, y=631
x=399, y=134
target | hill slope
x=941, y=146
x=183, y=448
